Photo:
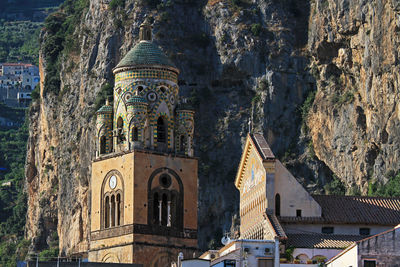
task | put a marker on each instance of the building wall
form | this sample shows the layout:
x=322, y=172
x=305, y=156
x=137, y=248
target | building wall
x=253, y=201
x=135, y=241
x=292, y=194
x=342, y=229
x=346, y=260
x=312, y=253
x=186, y=168
x=124, y=165
x=384, y=248
x=195, y=263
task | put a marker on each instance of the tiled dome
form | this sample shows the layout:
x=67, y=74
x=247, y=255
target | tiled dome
x=145, y=53
x=136, y=99
x=105, y=109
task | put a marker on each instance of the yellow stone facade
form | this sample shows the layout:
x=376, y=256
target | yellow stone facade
x=144, y=178
x=268, y=190
x=137, y=174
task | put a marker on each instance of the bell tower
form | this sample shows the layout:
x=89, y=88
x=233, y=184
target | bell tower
x=144, y=176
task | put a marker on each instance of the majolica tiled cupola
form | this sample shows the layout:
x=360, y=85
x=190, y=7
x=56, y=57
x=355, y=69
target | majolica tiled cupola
x=145, y=108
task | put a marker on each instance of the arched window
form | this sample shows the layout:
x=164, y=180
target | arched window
x=112, y=211
x=135, y=134
x=112, y=200
x=120, y=130
x=182, y=143
x=102, y=145
x=107, y=213
x=161, y=131
x=118, y=209
x=165, y=200
x=277, y=205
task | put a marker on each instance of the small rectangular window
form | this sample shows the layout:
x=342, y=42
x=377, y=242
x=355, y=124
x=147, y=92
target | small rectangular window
x=369, y=263
x=327, y=230
x=365, y=231
x=298, y=213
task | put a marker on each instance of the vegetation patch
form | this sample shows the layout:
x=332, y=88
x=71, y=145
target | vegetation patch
x=389, y=189
x=305, y=109
x=335, y=187
x=60, y=29
x=256, y=29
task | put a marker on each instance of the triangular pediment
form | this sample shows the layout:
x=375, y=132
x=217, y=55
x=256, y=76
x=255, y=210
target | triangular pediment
x=251, y=161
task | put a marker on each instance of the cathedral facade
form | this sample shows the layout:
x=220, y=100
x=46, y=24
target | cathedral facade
x=144, y=176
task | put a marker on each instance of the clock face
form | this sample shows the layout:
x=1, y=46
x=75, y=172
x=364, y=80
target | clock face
x=113, y=182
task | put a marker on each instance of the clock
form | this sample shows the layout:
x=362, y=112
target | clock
x=113, y=182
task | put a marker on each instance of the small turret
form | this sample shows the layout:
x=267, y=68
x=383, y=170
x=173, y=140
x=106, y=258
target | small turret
x=104, y=129
x=137, y=117
x=185, y=128
x=145, y=31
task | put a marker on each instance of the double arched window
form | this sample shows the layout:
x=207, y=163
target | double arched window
x=165, y=199
x=112, y=198
x=112, y=210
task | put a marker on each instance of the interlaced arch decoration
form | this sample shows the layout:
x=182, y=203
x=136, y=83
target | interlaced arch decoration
x=165, y=203
x=112, y=202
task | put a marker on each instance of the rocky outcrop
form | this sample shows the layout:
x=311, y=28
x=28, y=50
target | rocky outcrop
x=239, y=61
x=354, y=122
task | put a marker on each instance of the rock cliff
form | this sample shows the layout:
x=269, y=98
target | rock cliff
x=239, y=59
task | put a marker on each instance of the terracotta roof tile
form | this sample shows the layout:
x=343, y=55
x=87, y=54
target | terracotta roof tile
x=321, y=240
x=354, y=210
x=262, y=146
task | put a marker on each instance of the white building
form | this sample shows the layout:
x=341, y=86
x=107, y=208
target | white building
x=245, y=252
x=379, y=250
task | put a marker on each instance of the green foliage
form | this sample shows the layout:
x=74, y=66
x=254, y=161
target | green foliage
x=256, y=29
x=19, y=41
x=346, y=98
x=389, y=189
x=335, y=187
x=114, y=4
x=289, y=253
x=305, y=109
x=60, y=39
x=12, y=198
x=49, y=254
x=35, y=94
x=106, y=92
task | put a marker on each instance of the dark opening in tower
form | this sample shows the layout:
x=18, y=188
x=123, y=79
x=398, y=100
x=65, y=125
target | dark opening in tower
x=161, y=130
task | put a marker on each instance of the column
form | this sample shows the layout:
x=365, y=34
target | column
x=159, y=211
x=169, y=214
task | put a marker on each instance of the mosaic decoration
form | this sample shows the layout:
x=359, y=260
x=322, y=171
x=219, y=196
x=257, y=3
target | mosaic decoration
x=163, y=74
x=139, y=97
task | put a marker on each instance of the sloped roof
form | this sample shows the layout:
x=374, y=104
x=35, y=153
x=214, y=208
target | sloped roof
x=136, y=99
x=262, y=146
x=354, y=210
x=105, y=109
x=321, y=240
x=145, y=53
x=276, y=226
x=363, y=240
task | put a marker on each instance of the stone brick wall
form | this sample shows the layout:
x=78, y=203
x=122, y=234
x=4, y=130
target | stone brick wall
x=384, y=248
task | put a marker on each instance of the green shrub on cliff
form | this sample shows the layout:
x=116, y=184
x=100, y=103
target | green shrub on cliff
x=60, y=39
